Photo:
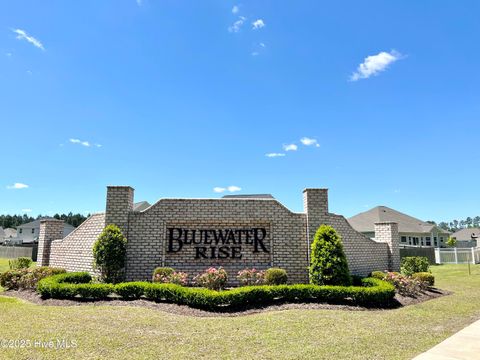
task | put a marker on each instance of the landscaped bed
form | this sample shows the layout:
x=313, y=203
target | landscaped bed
x=302, y=331
x=370, y=292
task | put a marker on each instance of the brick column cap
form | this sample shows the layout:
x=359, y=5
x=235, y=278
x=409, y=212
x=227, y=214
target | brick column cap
x=386, y=223
x=120, y=186
x=50, y=221
x=308, y=189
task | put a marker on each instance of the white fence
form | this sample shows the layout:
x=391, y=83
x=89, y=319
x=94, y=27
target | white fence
x=12, y=252
x=457, y=256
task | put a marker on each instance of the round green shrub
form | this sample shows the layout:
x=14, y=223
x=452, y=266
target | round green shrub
x=20, y=263
x=276, y=276
x=378, y=275
x=414, y=264
x=110, y=253
x=425, y=277
x=328, y=263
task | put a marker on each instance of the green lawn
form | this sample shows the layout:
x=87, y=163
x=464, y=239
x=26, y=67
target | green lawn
x=138, y=333
x=3, y=265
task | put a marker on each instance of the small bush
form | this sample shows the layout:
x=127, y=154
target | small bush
x=162, y=272
x=212, y=278
x=169, y=276
x=328, y=263
x=405, y=285
x=414, y=264
x=250, y=277
x=378, y=275
x=425, y=277
x=110, y=253
x=276, y=276
x=131, y=290
x=20, y=263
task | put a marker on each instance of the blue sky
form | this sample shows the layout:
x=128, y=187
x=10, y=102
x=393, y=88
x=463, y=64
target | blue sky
x=176, y=98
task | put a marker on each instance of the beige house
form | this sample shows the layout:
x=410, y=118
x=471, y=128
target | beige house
x=467, y=238
x=412, y=231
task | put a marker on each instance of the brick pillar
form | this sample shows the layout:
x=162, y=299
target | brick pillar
x=388, y=232
x=50, y=229
x=315, y=205
x=119, y=205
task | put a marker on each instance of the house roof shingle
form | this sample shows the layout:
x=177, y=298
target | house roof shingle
x=365, y=221
x=466, y=234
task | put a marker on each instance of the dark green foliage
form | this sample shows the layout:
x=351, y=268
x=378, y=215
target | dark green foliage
x=378, y=275
x=69, y=285
x=328, y=263
x=131, y=290
x=20, y=263
x=27, y=278
x=109, y=253
x=13, y=221
x=372, y=293
x=276, y=276
x=414, y=264
x=425, y=277
x=94, y=291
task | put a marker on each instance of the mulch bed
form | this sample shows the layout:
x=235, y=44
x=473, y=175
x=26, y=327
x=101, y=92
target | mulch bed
x=400, y=301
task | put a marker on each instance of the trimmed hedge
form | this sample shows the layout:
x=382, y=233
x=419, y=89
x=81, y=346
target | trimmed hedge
x=276, y=276
x=69, y=285
x=372, y=293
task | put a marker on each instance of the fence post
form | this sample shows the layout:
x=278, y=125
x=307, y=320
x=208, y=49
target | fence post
x=456, y=255
x=473, y=255
x=437, y=256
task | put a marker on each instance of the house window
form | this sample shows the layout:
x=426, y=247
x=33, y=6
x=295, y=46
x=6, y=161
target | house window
x=428, y=241
x=33, y=231
x=441, y=238
x=21, y=231
x=404, y=239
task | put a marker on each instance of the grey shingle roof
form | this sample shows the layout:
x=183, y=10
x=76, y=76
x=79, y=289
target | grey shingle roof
x=140, y=206
x=466, y=234
x=364, y=222
x=249, y=196
x=36, y=223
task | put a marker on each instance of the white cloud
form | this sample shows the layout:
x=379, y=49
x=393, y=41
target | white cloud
x=237, y=25
x=374, y=64
x=80, y=142
x=235, y=9
x=231, y=188
x=139, y=2
x=22, y=35
x=255, y=53
x=272, y=155
x=98, y=145
x=9, y=54
x=26, y=210
x=309, y=142
x=17, y=186
x=262, y=45
x=258, y=24
x=290, y=147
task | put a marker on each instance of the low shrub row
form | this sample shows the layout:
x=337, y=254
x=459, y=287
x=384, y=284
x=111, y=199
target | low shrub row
x=412, y=285
x=217, y=279
x=373, y=293
x=26, y=278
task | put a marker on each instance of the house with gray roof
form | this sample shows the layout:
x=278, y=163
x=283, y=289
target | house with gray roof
x=412, y=231
x=27, y=234
x=467, y=238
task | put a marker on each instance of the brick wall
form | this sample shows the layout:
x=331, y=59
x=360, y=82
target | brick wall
x=50, y=229
x=287, y=240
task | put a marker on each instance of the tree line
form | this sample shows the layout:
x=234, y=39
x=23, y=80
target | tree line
x=456, y=225
x=13, y=221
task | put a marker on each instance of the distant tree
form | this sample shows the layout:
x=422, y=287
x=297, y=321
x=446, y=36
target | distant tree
x=451, y=242
x=443, y=225
x=13, y=221
x=431, y=222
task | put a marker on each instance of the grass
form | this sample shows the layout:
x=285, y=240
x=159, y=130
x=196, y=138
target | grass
x=141, y=333
x=3, y=265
